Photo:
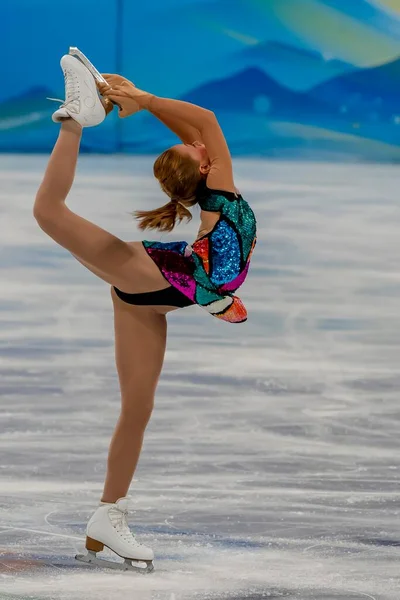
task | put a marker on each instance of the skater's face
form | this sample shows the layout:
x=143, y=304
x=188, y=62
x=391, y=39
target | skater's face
x=197, y=151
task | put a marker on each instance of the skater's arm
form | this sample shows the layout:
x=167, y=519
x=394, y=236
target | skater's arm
x=128, y=106
x=185, y=132
x=195, y=116
x=221, y=173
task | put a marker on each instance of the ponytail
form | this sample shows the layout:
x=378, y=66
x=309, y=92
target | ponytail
x=164, y=218
x=181, y=180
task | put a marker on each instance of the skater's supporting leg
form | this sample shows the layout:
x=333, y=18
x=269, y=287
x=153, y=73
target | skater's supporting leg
x=140, y=339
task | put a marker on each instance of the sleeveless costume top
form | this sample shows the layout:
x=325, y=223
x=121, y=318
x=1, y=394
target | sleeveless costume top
x=210, y=270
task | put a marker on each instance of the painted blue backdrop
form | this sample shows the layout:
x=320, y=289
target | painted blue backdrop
x=291, y=78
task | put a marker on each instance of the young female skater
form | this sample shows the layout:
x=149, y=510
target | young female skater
x=148, y=279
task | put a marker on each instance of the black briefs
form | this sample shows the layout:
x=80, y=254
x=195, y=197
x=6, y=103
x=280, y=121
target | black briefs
x=169, y=296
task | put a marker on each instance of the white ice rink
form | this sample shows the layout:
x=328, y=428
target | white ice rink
x=270, y=468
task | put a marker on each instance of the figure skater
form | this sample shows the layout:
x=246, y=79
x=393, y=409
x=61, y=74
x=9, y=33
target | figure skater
x=147, y=279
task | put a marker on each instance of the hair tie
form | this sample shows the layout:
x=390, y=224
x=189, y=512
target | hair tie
x=174, y=201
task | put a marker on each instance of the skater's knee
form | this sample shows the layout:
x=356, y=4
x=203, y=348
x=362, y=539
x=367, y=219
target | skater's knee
x=137, y=415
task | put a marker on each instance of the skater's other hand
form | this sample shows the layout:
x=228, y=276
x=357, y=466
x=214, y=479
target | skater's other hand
x=106, y=102
x=127, y=92
x=115, y=79
x=102, y=87
x=126, y=104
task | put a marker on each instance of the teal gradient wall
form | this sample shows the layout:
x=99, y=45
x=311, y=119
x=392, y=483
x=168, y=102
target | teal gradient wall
x=287, y=78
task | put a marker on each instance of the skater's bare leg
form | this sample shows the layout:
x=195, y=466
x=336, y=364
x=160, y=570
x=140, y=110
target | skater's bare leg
x=140, y=339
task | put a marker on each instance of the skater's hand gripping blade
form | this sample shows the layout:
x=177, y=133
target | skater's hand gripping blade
x=128, y=565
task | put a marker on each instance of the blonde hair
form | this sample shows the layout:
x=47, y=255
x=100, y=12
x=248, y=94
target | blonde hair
x=180, y=179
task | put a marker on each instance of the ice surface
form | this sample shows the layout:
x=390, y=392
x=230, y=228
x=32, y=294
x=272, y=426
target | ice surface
x=270, y=466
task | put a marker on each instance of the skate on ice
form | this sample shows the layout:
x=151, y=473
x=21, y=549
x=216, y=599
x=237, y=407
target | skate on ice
x=108, y=527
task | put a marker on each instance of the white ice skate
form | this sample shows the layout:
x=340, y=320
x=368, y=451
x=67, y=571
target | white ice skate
x=82, y=102
x=108, y=527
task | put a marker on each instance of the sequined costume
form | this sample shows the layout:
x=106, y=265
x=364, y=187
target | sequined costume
x=215, y=265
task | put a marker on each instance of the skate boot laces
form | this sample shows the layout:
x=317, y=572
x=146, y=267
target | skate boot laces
x=118, y=517
x=72, y=91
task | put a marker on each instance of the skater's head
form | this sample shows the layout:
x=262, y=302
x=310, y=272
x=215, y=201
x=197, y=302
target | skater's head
x=181, y=171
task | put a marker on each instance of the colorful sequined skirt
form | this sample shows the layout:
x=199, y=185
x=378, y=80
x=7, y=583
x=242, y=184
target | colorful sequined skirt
x=207, y=271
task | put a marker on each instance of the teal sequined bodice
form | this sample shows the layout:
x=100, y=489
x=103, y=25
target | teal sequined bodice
x=236, y=212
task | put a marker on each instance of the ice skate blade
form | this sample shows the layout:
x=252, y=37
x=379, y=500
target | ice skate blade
x=73, y=51
x=127, y=565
